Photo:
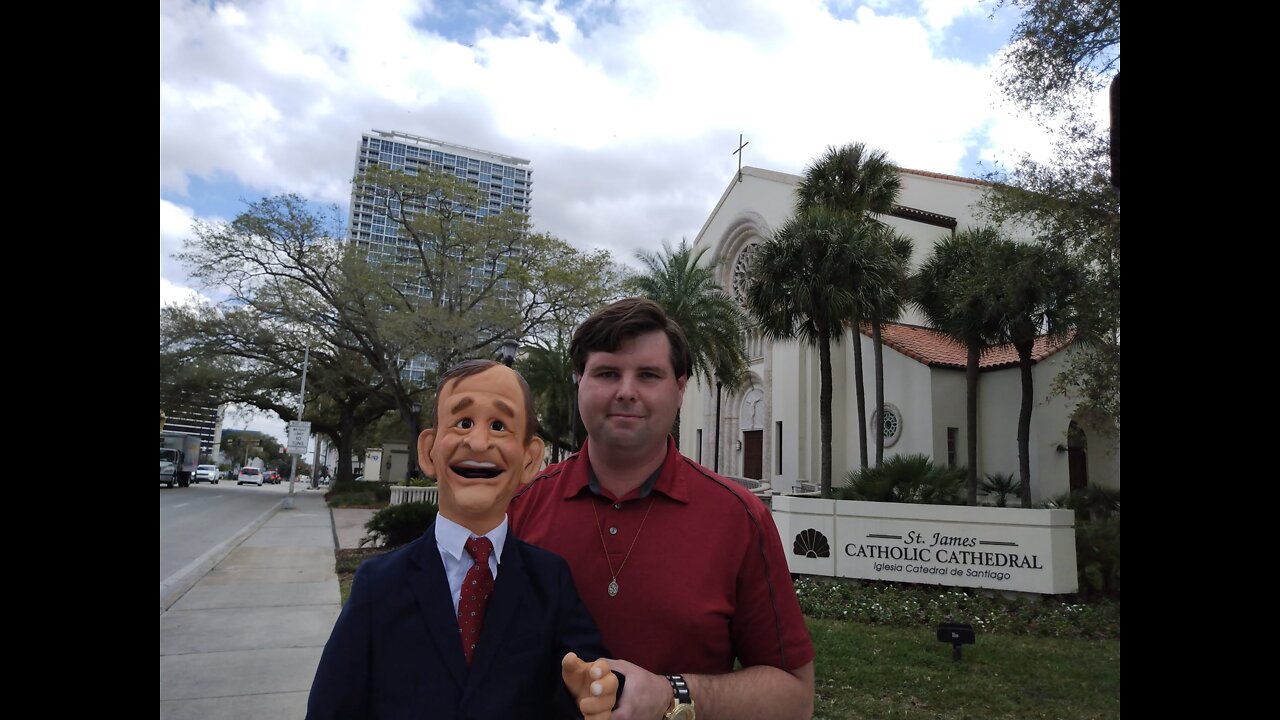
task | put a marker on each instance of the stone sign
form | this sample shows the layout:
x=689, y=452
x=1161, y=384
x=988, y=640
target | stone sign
x=998, y=548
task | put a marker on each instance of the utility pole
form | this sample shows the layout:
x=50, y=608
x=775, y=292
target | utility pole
x=293, y=464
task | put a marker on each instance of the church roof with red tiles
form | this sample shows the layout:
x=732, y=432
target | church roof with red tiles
x=934, y=349
x=944, y=176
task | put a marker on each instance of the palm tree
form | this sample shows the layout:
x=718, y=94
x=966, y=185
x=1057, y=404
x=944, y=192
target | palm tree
x=1035, y=293
x=548, y=369
x=687, y=291
x=860, y=184
x=883, y=301
x=905, y=479
x=1001, y=485
x=950, y=289
x=851, y=179
x=801, y=286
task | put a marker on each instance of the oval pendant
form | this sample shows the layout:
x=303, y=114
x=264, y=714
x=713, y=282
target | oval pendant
x=613, y=588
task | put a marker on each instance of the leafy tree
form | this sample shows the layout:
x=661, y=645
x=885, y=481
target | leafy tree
x=454, y=277
x=949, y=288
x=457, y=269
x=289, y=264
x=564, y=286
x=245, y=356
x=258, y=445
x=183, y=374
x=801, y=287
x=687, y=291
x=455, y=286
x=562, y=289
x=467, y=280
x=858, y=183
x=259, y=356
x=1063, y=53
x=237, y=445
x=1060, y=51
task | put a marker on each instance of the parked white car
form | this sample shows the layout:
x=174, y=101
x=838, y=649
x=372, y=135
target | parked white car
x=249, y=475
x=207, y=473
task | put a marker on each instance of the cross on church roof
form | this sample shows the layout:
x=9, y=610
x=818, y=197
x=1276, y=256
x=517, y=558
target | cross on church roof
x=738, y=152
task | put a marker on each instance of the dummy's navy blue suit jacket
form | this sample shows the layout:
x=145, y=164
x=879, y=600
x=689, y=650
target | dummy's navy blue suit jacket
x=395, y=651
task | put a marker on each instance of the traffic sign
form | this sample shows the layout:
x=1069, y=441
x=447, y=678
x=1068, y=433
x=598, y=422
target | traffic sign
x=299, y=436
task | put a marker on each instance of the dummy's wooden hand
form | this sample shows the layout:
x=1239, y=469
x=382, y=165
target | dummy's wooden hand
x=592, y=685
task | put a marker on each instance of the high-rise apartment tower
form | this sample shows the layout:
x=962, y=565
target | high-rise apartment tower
x=507, y=180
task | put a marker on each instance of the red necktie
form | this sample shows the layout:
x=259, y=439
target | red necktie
x=476, y=588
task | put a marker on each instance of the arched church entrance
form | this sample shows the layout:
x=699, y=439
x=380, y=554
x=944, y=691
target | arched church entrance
x=752, y=415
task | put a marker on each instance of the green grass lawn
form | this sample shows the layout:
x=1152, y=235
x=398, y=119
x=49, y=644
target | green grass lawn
x=895, y=673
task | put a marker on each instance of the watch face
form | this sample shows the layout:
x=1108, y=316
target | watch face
x=681, y=712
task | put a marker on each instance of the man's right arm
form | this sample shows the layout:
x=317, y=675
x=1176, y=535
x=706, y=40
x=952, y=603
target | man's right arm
x=760, y=692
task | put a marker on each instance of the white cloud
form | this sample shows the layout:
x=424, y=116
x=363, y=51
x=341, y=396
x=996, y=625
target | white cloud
x=175, y=226
x=171, y=294
x=629, y=110
x=938, y=14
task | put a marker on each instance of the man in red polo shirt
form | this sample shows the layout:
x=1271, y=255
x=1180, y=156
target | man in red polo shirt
x=682, y=569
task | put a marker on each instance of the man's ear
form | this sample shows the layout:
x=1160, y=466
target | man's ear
x=532, y=458
x=426, y=441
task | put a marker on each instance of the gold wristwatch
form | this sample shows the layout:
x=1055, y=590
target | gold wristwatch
x=681, y=701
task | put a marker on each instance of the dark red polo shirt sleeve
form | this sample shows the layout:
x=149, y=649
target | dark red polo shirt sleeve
x=768, y=626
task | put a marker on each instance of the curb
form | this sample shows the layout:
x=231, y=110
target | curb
x=177, y=584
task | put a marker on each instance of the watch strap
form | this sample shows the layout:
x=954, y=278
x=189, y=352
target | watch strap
x=622, y=682
x=680, y=689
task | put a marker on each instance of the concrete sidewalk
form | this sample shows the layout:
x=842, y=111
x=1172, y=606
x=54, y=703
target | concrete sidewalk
x=245, y=640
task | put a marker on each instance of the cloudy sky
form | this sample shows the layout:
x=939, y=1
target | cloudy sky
x=629, y=110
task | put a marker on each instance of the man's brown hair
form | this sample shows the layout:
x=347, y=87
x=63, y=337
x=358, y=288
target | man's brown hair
x=467, y=368
x=613, y=324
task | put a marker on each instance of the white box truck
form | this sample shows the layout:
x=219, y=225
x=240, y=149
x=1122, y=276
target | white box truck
x=179, y=455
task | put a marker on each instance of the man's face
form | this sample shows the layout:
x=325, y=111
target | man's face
x=629, y=398
x=477, y=450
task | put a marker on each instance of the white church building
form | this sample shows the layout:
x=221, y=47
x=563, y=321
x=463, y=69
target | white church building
x=770, y=430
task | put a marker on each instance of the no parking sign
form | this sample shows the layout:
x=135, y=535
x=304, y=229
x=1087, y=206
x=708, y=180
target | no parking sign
x=299, y=436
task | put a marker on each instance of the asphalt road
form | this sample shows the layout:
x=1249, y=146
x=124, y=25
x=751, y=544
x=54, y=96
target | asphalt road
x=199, y=520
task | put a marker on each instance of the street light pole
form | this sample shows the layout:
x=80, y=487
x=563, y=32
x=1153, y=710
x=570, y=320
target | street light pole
x=293, y=464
